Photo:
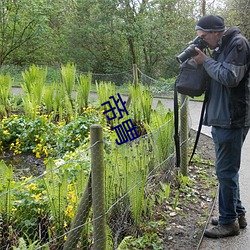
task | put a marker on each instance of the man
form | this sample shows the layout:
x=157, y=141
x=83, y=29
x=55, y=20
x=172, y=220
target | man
x=228, y=112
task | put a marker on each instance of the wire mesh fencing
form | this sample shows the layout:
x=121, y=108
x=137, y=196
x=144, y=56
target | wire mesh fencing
x=72, y=206
x=47, y=210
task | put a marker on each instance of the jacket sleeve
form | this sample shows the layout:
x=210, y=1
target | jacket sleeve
x=234, y=66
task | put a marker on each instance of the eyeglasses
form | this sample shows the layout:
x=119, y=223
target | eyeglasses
x=204, y=35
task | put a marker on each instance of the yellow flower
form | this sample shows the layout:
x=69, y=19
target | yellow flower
x=73, y=199
x=45, y=151
x=31, y=187
x=14, y=209
x=12, y=145
x=38, y=155
x=16, y=152
x=6, y=132
x=69, y=211
x=37, y=196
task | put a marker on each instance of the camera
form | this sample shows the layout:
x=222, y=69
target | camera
x=190, y=51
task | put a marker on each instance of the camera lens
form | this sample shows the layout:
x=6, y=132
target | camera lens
x=187, y=53
x=190, y=51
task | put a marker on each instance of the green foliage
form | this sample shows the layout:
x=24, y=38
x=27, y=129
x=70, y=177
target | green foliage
x=104, y=91
x=184, y=181
x=141, y=103
x=56, y=183
x=6, y=184
x=161, y=126
x=164, y=191
x=34, y=81
x=83, y=91
x=29, y=245
x=176, y=199
x=5, y=90
x=126, y=172
x=147, y=241
x=50, y=199
x=127, y=166
x=30, y=206
x=68, y=74
x=43, y=137
x=103, y=36
x=23, y=25
x=48, y=98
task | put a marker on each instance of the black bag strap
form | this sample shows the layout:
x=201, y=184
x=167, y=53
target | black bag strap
x=176, y=125
x=199, y=127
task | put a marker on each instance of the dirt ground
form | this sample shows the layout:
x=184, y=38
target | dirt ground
x=187, y=222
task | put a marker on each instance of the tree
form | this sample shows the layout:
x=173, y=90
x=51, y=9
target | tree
x=237, y=13
x=101, y=36
x=21, y=21
x=108, y=36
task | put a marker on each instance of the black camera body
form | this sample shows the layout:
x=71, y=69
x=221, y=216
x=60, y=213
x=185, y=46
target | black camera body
x=190, y=51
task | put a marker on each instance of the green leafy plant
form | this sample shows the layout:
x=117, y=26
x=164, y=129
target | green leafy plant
x=34, y=81
x=30, y=208
x=23, y=245
x=147, y=241
x=6, y=184
x=141, y=105
x=5, y=90
x=184, y=181
x=164, y=191
x=48, y=98
x=176, y=199
x=126, y=173
x=161, y=126
x=83, y=91
x=43, y=137
x=68, y=74
x=104, y=91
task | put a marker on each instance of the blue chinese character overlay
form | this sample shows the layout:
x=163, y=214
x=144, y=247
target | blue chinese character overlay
x=111, y=109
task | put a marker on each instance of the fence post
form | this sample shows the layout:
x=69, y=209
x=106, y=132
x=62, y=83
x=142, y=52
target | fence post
x=135, y=82
x=98, y=195
x=135, y=74
x=184, y=135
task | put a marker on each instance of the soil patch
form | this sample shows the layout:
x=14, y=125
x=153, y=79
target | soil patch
x=25, y=164
x=187, y=221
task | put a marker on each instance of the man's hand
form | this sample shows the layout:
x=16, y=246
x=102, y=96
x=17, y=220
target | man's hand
x=200, y=58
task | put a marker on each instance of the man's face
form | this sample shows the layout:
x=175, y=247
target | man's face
x=211, y=38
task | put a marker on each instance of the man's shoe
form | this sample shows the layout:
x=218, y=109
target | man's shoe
x=241, y=219
x=221, y=231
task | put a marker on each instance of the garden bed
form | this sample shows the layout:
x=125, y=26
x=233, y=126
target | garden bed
x=178, y=222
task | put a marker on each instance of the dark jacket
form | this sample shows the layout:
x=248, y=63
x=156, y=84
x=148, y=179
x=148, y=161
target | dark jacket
x=228, y=103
